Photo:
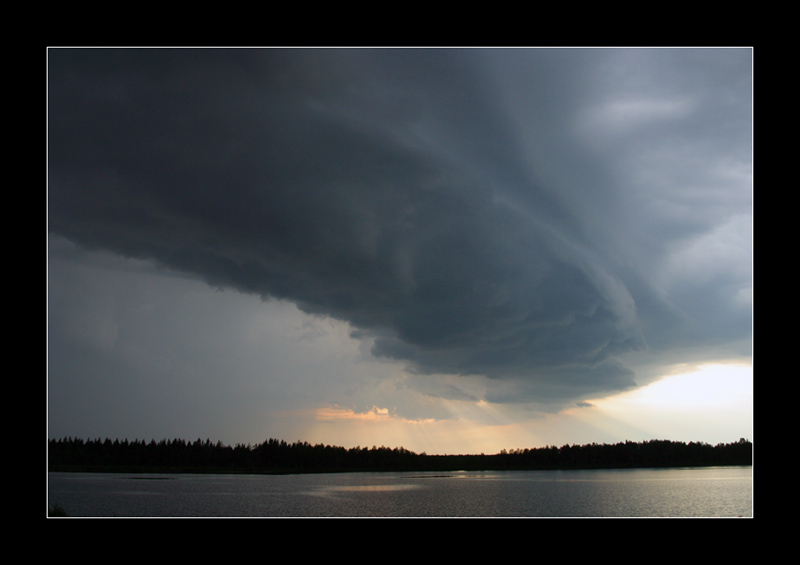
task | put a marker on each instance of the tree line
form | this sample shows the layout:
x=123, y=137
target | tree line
x=278, y=456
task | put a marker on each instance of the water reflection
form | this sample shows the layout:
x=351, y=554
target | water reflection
x=710, y=492
x=372, y=488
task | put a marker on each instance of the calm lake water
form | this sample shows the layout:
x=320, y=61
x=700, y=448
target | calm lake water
x=696, y=492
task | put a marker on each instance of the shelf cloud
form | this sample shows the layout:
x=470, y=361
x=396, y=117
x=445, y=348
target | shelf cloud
x=534, y=216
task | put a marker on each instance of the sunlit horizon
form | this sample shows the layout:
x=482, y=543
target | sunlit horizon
x=710, y=403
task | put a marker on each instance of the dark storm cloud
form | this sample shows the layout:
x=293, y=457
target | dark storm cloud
x=437, y=200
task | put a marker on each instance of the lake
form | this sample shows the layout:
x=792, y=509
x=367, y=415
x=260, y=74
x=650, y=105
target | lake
x=681, y=492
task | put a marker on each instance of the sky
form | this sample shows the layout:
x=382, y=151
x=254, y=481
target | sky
x=452, y=250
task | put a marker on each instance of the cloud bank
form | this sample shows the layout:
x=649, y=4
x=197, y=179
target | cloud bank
x=533, y=216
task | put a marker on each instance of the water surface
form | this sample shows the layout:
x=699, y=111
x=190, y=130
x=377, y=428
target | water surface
x=695, y=492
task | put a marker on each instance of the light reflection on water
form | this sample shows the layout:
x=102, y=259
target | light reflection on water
x=374, y=488
x=706, y=492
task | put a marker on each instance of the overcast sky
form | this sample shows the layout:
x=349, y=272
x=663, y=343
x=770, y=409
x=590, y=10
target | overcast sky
x=255, y=243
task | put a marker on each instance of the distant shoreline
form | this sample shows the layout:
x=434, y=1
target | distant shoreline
x=143, y=471
x=276, y=457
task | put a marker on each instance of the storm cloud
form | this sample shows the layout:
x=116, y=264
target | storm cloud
x=530, y=215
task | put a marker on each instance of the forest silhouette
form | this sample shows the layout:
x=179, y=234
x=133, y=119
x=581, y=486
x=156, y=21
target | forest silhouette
x=277, y=456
